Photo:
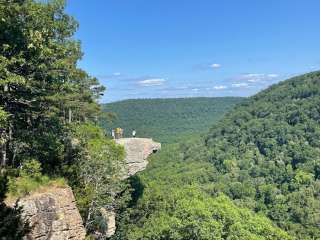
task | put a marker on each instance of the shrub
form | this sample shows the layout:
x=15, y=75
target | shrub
x=31, y=179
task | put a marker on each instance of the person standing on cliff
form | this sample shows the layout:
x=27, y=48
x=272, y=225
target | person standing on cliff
x=134, y=133
x=113, y=134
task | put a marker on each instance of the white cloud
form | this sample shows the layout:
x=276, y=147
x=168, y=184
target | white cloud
x=239, y=85
x=116, y=74
x=220, y=87
x=152, y=82
x=273, y=75
x=215, y=65
x=195, y=89
x=257, y=77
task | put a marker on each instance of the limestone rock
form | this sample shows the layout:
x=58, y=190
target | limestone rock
x=137, y=152
x=53, y=215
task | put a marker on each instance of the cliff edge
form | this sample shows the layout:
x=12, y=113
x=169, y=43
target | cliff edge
x=137, y=152
x=53, y=215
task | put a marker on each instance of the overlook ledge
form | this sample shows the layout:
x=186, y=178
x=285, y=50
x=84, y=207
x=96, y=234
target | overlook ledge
x=137, y=152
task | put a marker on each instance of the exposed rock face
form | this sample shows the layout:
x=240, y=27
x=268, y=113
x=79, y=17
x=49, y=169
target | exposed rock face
x=138, y=150
x=110, y=217
x=53, y=215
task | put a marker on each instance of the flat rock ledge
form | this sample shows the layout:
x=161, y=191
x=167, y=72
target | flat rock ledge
x=137, y=152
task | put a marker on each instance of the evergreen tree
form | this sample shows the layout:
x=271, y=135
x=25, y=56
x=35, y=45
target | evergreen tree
x=41, y=87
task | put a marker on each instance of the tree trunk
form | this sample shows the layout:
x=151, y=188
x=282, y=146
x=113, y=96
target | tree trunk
x=3, y=148
x=70, y=115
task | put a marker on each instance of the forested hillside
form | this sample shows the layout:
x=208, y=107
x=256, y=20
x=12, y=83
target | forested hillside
x=264, y=155
x=48, y=116
x=267, y=154
x=167, y=120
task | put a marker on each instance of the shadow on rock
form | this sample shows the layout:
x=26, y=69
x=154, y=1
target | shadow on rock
x=12, y=226
x=138, y=188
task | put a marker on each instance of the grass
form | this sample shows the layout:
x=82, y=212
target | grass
x=22, y=186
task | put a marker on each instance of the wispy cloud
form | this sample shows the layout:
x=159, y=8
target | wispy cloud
x=215, y=65
x=256, y=77
x=220, y=87
x=314, y=67
x=240, y=85
x=207, y=66
x=151, y=82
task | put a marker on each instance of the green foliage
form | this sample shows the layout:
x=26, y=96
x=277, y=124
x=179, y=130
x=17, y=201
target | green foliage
x=30, y=179
x=168, y=120
x=263, y=155
x=96, y=175
x=190, y=214
x=41, y=87
x=48, y=108
x=42, y=94
x=266, y=154
x=31, y=168
x=170, y=202
x=3, y=118
x=12, y=227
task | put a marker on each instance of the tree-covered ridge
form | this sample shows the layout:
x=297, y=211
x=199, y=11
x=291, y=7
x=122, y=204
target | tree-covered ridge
x=167, y=120
x=266, y=154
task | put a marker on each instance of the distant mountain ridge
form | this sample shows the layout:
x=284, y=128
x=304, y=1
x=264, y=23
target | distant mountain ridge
x=167, y=120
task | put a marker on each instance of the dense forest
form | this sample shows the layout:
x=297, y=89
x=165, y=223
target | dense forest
x=261, y=159
x=168, y=120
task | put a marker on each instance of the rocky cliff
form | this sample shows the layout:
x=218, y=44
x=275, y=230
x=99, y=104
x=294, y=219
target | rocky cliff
x=137, y=152
x=53, y=215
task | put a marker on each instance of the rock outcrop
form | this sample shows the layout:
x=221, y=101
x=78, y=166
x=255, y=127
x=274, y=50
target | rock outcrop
x=137, y=152
x=110, y=218
x=53, y=215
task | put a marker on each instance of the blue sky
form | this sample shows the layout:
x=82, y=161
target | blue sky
x=189, y=48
